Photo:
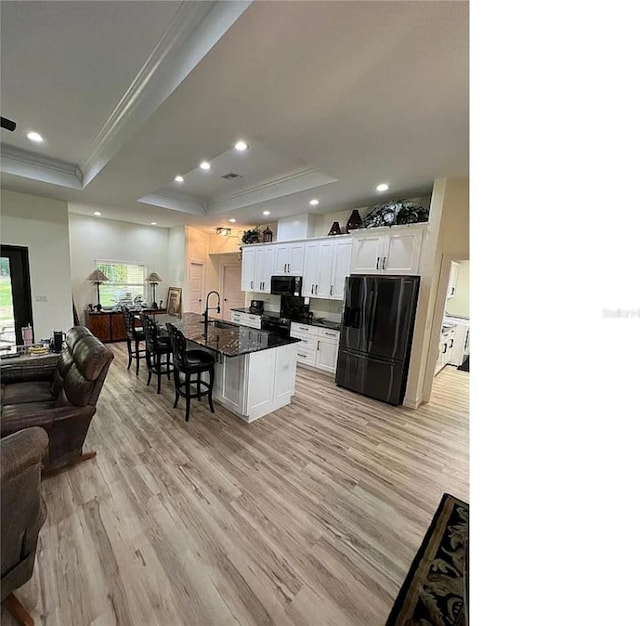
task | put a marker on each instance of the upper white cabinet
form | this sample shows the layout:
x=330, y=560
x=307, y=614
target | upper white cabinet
x=289, y=259
x=257, y=267
x=326, y=265
x=387, y=251
x=453, y=279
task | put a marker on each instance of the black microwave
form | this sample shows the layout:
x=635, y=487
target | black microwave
x=286, y=285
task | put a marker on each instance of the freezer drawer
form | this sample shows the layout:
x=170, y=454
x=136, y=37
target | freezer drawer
x=374, y=378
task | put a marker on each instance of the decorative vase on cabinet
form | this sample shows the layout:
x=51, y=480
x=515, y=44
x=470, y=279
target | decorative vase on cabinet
x=335, y=229
x=354, y=222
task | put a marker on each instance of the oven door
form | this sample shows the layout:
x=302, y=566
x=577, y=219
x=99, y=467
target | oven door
x=275, y=326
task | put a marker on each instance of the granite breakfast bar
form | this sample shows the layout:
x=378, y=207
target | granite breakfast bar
x=255, y=372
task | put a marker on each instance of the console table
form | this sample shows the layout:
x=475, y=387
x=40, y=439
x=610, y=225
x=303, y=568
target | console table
x=109, y=326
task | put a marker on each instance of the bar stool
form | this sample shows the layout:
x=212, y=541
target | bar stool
x=157, y=346
x=190, y=362
x=135, y=334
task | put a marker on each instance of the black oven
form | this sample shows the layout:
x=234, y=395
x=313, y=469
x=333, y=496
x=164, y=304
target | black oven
x=286, y=285
x=279, y=325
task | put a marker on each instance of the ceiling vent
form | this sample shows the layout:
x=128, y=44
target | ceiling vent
x=231, y=175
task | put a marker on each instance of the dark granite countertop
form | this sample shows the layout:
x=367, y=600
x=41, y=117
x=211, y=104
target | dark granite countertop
x=225, y=337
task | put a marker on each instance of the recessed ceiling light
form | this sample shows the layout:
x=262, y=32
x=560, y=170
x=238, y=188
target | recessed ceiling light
x=314, y=202
x=179, y=179
x=241, y=145
x=266, y=212
x=205, y=165
x=232, y=220
x=37, y=137
x=382, y=187
x=97, y=213
x=153, y=223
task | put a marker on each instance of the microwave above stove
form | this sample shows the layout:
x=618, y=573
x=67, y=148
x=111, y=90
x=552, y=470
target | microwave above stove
x=286, y=285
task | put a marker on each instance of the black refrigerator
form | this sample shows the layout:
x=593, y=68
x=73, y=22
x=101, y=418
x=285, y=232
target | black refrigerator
x=375, y=340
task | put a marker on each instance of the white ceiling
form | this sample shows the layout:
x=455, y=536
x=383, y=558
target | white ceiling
x=332, y=97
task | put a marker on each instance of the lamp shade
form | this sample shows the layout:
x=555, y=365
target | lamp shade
x=97, y=277
x=154, y=278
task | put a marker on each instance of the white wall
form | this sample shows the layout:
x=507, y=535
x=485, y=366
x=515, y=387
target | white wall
x=41, y=224
x=458, y=305
x=93, y=238
x=177, y=248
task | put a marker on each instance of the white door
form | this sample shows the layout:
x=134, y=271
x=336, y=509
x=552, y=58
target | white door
x=196, y=287
x=453, y=279
x=310, y=277
x=232, y=296
x=403, y=253
x=367, y=254
x=296, y=259
x=248, y=269
x=281, y=263
x=341, y=266
x=325, y=269
x=327, y=356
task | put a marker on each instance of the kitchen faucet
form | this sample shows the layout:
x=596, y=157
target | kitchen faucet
x=206, y=311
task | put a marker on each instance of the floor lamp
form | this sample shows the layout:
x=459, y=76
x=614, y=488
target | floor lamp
x=97, y=277
x=153, y=279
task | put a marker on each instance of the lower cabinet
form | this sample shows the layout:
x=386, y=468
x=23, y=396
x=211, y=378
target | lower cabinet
x=318, y=347
x=109, y=325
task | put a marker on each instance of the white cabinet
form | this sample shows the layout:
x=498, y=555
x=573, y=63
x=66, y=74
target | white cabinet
x=341, y=267
x=289, y=259
x=248, y=281
x=257, y=266
x=394, y=250
x=326, y=265
x=246, y=319
x=447, y=341
x=318, y=347
x=453, y=279
x=460, y=347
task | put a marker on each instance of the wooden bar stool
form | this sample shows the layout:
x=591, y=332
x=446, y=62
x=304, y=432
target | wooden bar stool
x=157, y=347
x=188, y=363
x=135, y=336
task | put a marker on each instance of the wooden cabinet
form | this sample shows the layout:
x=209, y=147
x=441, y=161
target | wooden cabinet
x=109, y=326
x=394, y=250
x=318, y=347
x=100, y=325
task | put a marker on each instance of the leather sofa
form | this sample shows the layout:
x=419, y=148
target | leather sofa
x=58, y=396
x=23, y=512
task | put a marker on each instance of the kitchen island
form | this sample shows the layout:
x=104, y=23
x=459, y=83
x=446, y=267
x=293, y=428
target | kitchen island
x=255, y=371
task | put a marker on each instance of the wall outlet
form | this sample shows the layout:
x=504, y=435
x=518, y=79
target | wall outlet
x=42, y=298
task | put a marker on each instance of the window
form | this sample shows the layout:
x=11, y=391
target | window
x=125, y=286
x=15, y=294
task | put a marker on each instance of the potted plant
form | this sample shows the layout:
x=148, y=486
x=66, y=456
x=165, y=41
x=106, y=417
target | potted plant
x=251, y=236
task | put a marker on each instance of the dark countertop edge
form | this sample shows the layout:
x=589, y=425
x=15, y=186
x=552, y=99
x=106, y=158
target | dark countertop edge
x=289, y=341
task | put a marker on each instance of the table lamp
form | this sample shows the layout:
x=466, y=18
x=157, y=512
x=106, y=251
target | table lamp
x=97, y=277
x=153, y=279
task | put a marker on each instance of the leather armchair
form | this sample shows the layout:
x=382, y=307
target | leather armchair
x=23, y=512
x=60, y=397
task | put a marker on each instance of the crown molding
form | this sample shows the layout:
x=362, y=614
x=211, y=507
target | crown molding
x=194, y=30
x=297, y=180
x=175, y=201
x=39, y=167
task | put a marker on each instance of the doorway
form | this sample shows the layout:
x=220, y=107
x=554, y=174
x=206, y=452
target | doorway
x=196, y=287
x=232, y=296
x=15, y=294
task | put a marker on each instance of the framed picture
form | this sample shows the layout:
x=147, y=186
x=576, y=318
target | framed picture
x=174, y=301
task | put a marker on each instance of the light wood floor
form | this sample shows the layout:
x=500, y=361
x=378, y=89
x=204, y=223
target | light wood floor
x=311, y=515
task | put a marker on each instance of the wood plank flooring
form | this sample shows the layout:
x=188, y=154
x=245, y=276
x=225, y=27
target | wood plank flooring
x=309, y=516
